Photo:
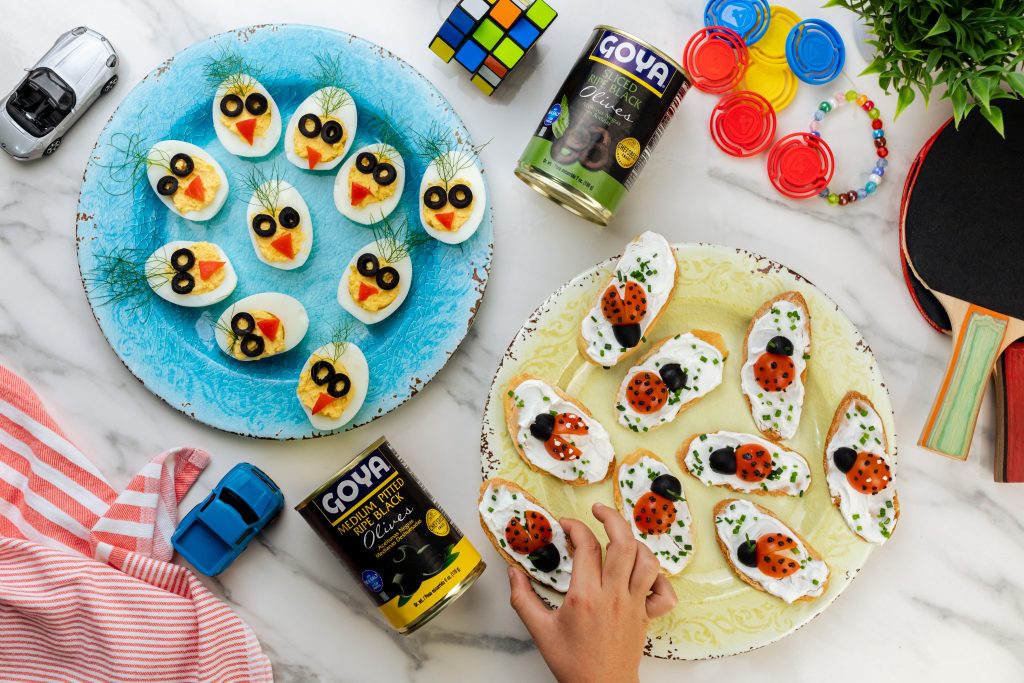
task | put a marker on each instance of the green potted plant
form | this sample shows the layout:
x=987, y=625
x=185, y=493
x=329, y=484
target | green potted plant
x=971, y=48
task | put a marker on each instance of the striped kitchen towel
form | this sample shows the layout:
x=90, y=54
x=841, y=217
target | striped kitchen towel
x=87, y=590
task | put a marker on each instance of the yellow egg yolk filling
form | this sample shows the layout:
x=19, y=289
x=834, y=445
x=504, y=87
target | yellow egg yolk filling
x=270, y=346
x=367, y=294
x=267, y=246
x=327, y=151
x=203, y=251
x=310, y=391
x=231, y=122
x=376, y=192
x=455, y=217
x=184, y=200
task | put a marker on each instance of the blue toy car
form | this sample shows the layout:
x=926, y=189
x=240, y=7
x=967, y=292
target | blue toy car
x=216, y=531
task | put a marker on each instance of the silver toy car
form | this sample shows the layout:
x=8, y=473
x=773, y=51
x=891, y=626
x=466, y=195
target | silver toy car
x=81, y=66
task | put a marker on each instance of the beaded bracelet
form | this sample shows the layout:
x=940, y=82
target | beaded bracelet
x=877, y=134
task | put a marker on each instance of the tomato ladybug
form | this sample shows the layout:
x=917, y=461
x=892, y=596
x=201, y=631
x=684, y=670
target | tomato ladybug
x=774, y=369
x=529, y=534
x=866, y=472
x=772, y=554
x=654, y=513
x=625, y=312
x=646, y=392
x=750, y=462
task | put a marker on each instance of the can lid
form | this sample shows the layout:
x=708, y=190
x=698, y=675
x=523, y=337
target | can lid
x=777, y=84
x=749, y=18
x=743, y=124
x=716, y=59
x=771, y=49
x=815, y=51
x=800, y=165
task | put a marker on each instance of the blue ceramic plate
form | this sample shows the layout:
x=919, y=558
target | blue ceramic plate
x=171, y=349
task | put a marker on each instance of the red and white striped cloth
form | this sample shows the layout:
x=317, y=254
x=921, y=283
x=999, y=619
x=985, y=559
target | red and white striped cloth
x=87, y=590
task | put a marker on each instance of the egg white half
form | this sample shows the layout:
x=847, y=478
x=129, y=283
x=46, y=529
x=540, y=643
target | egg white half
x=287, y=195
x=164, y=150
x=292, y=314
x=404, y=268
x=262, y=145
x=346, y=114
x=156, y=266
x=498, y=505
x=358, y=372
x=373, y=213
x=475, y=180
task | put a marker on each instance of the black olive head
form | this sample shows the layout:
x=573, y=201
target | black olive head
x=545, y=558
x=543, y=426
x=844, y=458
x=673, y=376
x=747, y=553
x=668, y=486
x=627, y=335
x=780, y=345
x=723, y=460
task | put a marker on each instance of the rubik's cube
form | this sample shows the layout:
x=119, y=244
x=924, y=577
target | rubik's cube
x=490, y=37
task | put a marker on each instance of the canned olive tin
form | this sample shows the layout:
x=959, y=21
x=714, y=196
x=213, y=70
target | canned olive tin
x=376, y=517
x=603, y=124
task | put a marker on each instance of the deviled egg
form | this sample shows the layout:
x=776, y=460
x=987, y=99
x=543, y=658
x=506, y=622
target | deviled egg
x=452, y=197
x=321, y=130
x=245, y=116
x=260, y=326
x=377, y=280
x=191, y=274
x=332, y=385
x=278, y=221
x=187, y=179
x=369, y=184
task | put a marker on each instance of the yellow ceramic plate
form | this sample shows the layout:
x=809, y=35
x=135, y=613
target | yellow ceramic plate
x=719, y=289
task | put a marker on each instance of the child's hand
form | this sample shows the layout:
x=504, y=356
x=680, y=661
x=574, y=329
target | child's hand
x=598, y=633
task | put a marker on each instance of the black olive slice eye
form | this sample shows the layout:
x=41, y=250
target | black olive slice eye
x=183, y=283
x=243, y=323
x=387, y=278
x=167, y=186
x=331, y=132
x=256, y=103
x=435, y=197
x=460, y=196
x=309, y=125
x=182, y=259
x=338, y=385
x=182, y=165
x=321, y=372
x=252, y=345
x=264, y=225
x=288, y=217
x=367, y=265
x=231, y=105
x=385, y=174
x=366, y=162
x=780, y=345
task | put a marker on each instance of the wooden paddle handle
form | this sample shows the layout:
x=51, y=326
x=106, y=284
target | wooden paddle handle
x=1010, y=415
x=978, y=335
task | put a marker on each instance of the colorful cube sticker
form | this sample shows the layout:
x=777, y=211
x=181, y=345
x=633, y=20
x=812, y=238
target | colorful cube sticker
x=489, y=38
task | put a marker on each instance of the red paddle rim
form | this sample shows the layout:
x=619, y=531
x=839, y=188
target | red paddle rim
x=743, y=124
x=800, y=165
x=716, y=59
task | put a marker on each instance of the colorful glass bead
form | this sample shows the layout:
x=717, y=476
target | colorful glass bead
x=825, y=106
x=882, y=152
x=861, y=100
x=882, y=163
x=878, y=133
x=862, y=194
x=833, y=198
x=851, y=95
x=815, y=126
x=876, y=124
x=875, y=178
x=870, y=187
x=880, y=142
x=824, y=193
x=874, y=113
x=878, y=171
x=843, y=199
x=839, y=97
x=868, y=105
x=851, y=196
x=819, y=115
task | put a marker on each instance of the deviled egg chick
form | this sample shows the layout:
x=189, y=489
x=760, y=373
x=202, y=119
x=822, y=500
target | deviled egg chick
x=452, y=197
x=191, y=274
x=332, y=385
x=278, y=220
x=187, y=179
x=369, y=184
x=260, y=326
x=321, y=130
x=376, y=281
x=245, y=115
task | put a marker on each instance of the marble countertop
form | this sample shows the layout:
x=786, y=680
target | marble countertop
x=945, y=598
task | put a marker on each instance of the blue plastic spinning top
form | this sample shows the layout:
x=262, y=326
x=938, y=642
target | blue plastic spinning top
x=815, y=51
x=749, y=18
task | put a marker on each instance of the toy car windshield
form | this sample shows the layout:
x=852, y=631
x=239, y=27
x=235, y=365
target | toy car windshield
x=41, y=102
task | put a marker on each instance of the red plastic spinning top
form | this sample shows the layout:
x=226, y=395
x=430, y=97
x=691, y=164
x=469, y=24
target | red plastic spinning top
x=800, y=165
x=716, y=59
x=743, y=124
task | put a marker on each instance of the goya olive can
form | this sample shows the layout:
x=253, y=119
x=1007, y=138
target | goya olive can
x=603, y=124
x=378, y=520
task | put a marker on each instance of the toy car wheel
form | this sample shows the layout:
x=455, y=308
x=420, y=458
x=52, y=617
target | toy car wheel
x=52, y=147
x=109, y=85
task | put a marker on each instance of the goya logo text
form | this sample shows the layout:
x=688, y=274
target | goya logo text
x=639, y=63
x=352, y=487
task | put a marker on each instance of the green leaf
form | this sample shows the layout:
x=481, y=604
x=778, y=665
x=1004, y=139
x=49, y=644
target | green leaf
x=1016, y=81
x=561, y=124
x=941, y=26
x=959, y=98
x=994, y=115
x=906, y=96
x=982, y=91
x=877, y=66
